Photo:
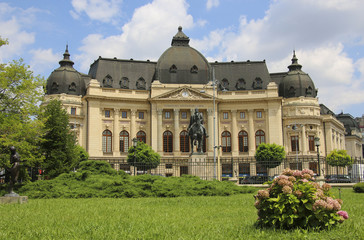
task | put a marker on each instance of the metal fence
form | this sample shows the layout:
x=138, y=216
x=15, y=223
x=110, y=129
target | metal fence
x=244, y=170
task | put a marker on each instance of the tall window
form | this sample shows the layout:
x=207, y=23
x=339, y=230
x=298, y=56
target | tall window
x=226, y=141
x=242, y=115
x=259, y=137
x=259, y=114
x=107, y=113
x=167, y=141
x=295, y=144
x=243, y=141
x=184, y=141
x=73, y=111
x=141, y=115
x=226, y=115
x=311, y=143
x=107, y=141
x=142, y=137
x=124, y=141
x=124, y=114
x=167, y=115
x=184, y=115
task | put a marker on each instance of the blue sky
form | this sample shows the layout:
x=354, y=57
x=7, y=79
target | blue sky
x=328, y=36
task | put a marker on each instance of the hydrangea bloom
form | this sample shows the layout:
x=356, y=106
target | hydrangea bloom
x=344, y=214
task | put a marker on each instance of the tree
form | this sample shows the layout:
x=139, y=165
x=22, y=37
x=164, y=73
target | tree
x=143, y=156
x=20, y=95
x=339, y=158
x=59, y=146
x=270, y=155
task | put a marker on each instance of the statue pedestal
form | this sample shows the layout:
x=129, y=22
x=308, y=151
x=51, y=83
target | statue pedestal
x=320, y=180
x=13, y=199
x=199, y=167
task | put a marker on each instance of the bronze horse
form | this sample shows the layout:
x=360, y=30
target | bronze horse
x=196, y=134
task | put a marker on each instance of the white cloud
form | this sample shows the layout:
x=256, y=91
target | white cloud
x=43, y=59
x=212, y=3
x=145, y=36
x=12, y=23
x=320, y=30
x=100, y=10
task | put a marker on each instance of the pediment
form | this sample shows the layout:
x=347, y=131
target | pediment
x=183, y=94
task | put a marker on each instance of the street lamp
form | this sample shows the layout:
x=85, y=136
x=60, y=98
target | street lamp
x=135, y=143
x=317, y=144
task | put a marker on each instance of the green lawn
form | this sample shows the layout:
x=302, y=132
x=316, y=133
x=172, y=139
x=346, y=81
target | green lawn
x=160, y=218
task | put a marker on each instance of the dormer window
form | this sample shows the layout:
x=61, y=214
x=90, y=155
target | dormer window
x=72, y=87
x=124, y=83
x=309, y=91
x=54, y=87
x=194, y=69
x=173, y=69
x=107, y=82
x=291, y=92
x=140, y=84
x=225, y=84
x=258, y=83
x=240, y=85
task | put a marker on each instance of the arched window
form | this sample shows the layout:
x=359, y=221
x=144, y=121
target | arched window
x=173, y=69
x=224, y=84
x=72, y=87
x=167, y=141
x=226, y=141
x=259, y=137
x=107, y=141
x=124, y=83
x=124, y=141
x=142, y=137
x=194, y=69
x=107, y=82
x=258, y=83
x=240, y=85
x=184, y=142
x=243, y=141
x=140, y=84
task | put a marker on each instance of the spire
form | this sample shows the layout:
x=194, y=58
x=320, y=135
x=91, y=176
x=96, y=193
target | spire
x=294, y=65
x=180, y=39
x=66, y=62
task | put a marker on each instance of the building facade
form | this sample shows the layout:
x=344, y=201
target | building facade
x=242, y=104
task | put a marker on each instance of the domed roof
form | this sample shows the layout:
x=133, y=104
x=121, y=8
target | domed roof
x=66, y=79
x=296, y=83
x=182, y=64
x=349, y=123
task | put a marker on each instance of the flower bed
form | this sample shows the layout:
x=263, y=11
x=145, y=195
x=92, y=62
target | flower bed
x=295, y=200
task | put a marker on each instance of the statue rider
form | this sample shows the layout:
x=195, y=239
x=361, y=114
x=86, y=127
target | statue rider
x=197, y=118
x=14, y=170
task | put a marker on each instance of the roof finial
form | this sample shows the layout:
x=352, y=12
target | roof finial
x=294, y=65
x=180, y=39
x=66, y=58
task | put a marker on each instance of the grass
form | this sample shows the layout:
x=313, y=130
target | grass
x=229, y=217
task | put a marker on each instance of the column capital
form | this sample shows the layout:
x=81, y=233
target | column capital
x=210, y=112
x=116, y=110
x=250, y=110
x=234, y=111
x=176, y=111
x=159, y=111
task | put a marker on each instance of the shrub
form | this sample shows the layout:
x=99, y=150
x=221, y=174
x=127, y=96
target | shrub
x=359, y=187
x=271, y=155
x=294, y=200
x=339, y=158
x=97, y=167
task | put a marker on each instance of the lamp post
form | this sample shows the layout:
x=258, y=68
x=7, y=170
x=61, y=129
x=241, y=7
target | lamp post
x=214, y=118
x=317, y=144
x=135, y=143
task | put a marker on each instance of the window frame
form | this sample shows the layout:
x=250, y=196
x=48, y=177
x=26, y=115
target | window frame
x=124, y=141
x=107, y=141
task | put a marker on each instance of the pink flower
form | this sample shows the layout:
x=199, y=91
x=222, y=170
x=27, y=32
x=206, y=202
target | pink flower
x=262, y=194
x=287, y=190
x=344, y=214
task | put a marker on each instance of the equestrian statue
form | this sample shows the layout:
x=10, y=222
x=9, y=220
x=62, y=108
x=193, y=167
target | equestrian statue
x=196, y=131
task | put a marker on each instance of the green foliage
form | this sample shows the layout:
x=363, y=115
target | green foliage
x=82, y=154
x=359, y=187
x=271, y=155
x=97, y=167
x=294, y=200
x=339, y=158
x=143, y=156
x=20, y=94
x=59, y=146
x=98, y=179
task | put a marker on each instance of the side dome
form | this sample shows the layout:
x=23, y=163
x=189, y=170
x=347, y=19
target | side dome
x=351, y=126
x=66, y=79
x=296, y=83
x=182, y=64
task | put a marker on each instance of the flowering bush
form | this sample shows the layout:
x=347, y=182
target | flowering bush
x=295, y=200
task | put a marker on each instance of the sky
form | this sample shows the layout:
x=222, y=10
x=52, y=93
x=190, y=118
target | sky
x=327, y=36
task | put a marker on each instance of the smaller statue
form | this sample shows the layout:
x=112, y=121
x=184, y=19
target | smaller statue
x=14, y=170
x=196, y=131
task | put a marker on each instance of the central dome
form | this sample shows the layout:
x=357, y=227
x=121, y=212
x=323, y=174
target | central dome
x=182, y=64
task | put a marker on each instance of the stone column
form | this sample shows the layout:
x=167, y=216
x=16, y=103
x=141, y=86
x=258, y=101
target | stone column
x=267, y=132
x=176, y=144
x=210, y=129
x=234, y=134
x=304, y=140
x=159, y=131
x=116, y=131
x=132, y=125
x=251, y=134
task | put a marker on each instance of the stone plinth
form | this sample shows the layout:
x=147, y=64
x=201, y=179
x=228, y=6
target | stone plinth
x=199, y=167
x=13, y=199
